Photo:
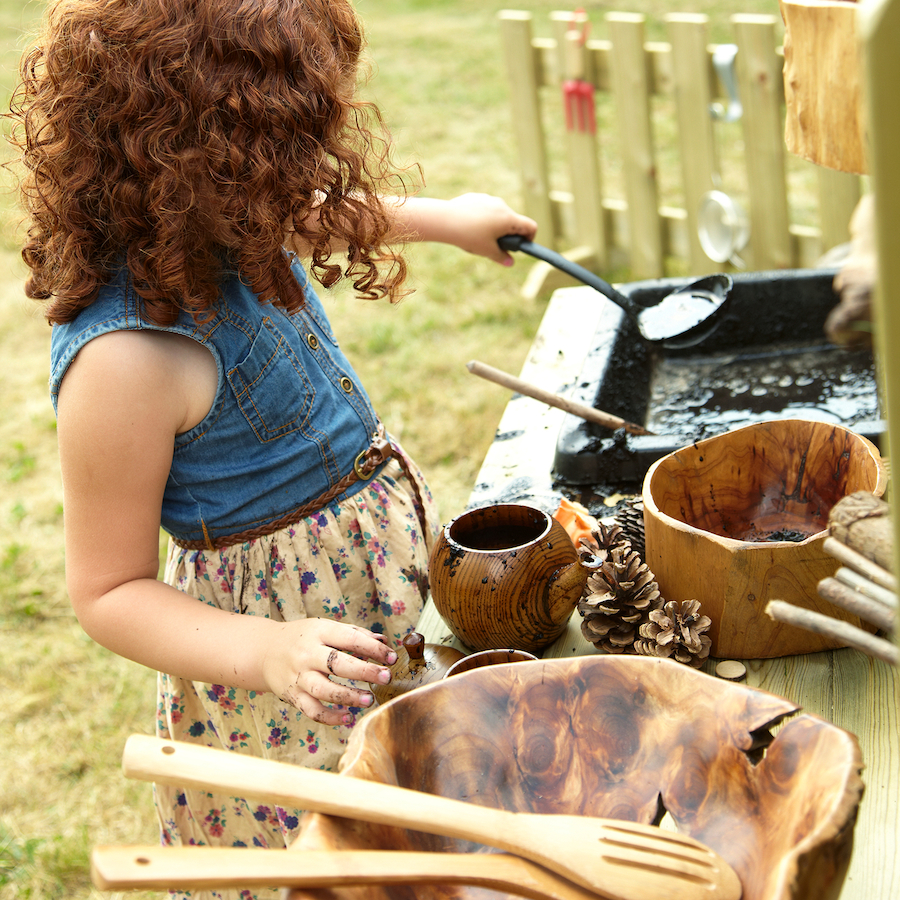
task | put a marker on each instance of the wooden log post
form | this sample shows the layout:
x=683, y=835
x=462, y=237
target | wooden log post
x=632, y=99
x=879, y=26
x=759, y=84
x=823, y=84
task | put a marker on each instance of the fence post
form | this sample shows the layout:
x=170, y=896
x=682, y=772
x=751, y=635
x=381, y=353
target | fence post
x=760, y=88
x=524, y=81
x=632, y=98
x=839, y=192
x=583, y=154
x=696, y=141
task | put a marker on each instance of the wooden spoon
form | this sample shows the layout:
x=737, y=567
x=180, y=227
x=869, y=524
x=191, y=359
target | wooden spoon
x=213, y=868
x=615, y=859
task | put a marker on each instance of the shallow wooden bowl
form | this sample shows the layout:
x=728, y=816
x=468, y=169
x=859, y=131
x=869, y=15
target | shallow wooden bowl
x=488, y=658
x=620, y=737
x=713, y=511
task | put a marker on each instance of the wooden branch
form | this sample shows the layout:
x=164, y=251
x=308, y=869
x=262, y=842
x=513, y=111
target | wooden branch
x=848, y=634
x=867, y=588
x=859, y=563
x=853, y=601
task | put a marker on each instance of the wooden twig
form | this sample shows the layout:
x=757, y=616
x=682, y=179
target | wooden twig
x=841, y=631
x=868, y=588
x=859, y=563
x=608, y=420
x=855, y=602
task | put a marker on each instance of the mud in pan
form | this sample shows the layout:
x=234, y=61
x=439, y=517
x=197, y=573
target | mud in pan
x=768, y=359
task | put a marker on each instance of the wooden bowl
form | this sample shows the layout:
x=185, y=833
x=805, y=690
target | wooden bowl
x=417, y=664
x=489, y=658
x=619, y=737
x=713, y=512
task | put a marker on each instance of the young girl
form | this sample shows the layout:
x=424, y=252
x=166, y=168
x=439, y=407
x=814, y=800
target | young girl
x=182, y=155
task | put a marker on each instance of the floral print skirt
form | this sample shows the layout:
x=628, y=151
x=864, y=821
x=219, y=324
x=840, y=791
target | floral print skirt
x=363, y=561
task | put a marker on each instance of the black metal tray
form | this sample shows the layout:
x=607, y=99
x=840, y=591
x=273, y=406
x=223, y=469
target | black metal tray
x=768, y=359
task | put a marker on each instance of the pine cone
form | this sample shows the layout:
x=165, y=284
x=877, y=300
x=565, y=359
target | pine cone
x=677, y=631
x=630, y=520
x=603, y=539
x=617, y=598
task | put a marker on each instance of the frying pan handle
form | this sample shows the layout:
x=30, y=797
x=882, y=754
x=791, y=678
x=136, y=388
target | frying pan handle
x=512, y=242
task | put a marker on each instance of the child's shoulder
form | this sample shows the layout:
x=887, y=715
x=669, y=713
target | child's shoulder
x=137, y=368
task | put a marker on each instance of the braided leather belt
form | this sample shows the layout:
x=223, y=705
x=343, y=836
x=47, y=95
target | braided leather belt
x=364, y=466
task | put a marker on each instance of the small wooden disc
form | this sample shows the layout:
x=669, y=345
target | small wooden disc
x=731, y=670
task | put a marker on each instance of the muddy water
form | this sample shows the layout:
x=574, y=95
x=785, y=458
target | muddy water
x=700, y=396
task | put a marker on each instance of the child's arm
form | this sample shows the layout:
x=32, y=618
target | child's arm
x=472, y=222
x=122, y=402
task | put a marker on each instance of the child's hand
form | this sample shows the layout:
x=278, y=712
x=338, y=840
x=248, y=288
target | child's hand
x=307, y=652
x=478, y=221
x=472, y=222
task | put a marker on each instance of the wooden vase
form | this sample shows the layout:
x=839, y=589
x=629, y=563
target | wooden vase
x=712, y=509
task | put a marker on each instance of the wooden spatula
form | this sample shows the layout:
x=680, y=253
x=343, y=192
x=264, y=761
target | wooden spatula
x=615, y=859
x=214, y=868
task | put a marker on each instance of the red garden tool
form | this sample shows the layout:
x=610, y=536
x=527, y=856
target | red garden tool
x=578, y=93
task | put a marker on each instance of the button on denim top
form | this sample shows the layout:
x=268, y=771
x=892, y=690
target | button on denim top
x=288, y=420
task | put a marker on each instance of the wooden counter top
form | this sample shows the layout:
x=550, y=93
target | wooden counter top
x=844, y=686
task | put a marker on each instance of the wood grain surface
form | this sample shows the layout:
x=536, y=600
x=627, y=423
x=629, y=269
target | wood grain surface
x=712, y=509
x=823, y=80
x=505, y=575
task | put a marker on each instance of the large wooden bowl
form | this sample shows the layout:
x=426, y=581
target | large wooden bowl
x=621, y=737
x=712, y=509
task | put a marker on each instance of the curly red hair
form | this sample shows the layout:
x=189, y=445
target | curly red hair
x=185, y=137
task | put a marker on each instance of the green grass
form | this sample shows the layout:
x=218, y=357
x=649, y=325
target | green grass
x=69, y=705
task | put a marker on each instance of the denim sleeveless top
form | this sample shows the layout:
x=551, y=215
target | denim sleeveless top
x=289, y=416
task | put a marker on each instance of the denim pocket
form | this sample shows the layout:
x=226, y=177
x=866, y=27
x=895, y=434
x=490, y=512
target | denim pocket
x=271, y=386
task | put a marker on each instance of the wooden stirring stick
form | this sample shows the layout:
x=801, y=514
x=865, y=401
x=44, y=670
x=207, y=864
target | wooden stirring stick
x=608, y=420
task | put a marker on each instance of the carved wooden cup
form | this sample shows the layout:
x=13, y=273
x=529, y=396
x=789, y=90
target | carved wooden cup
x=714, y=512
x=506, y=576
x=618, y=737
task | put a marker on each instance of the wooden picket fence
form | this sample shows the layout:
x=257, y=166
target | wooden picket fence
x=630, y=72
